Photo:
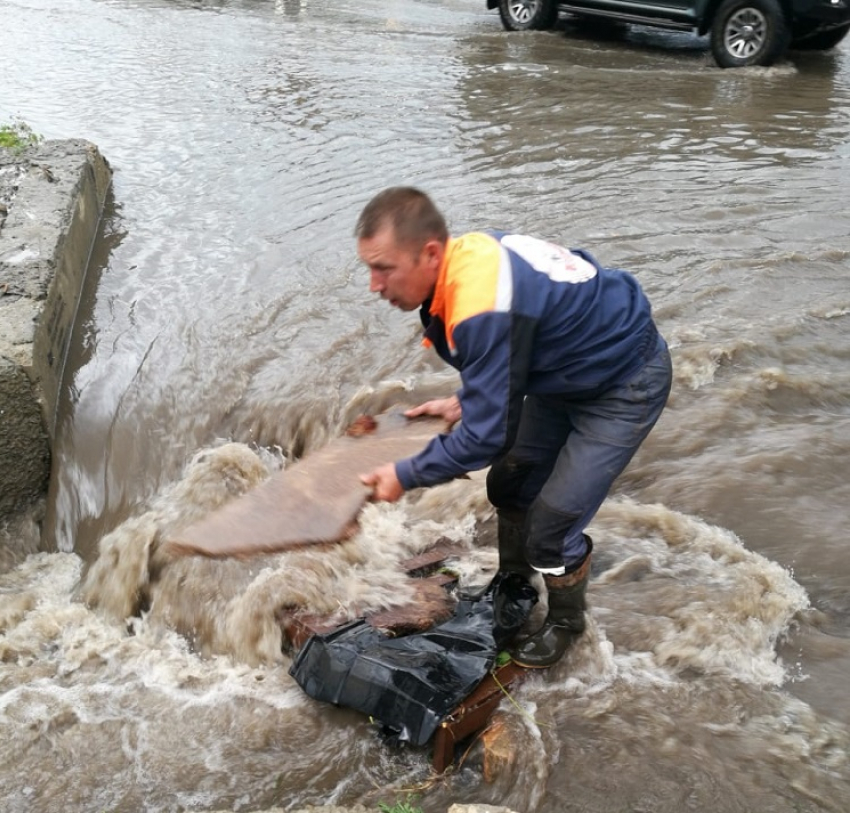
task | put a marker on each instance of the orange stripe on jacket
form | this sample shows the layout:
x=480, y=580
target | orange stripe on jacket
x=475, y=278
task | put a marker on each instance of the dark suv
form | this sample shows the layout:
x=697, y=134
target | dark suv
x=742, y=32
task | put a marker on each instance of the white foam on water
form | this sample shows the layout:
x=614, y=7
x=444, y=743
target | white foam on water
x=714, y=606
x=160, y=720
x=679, y=664
x=228, y=606
x=706, y=602
x=680, y=613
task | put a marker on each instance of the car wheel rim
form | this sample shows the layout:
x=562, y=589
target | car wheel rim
x=522, y=11
x=746, y=33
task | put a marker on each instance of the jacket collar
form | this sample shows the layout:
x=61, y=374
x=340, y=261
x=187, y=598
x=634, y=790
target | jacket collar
x=437, y=303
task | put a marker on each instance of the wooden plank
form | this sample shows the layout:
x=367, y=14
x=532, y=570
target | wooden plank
x=430, y=560
x=473, y=713
x=427, y=606
x=313, y=501
x=443, y=755
x=430, y=604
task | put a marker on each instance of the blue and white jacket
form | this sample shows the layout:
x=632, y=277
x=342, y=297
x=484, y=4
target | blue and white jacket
x=518, y=316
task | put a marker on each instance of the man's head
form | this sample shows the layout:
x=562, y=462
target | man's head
x=401, y=237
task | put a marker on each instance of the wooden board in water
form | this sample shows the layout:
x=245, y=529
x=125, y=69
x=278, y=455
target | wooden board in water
x=315, y=500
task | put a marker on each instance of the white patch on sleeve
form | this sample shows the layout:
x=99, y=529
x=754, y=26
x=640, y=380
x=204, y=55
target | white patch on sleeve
x=558, y=263
x=505, y=285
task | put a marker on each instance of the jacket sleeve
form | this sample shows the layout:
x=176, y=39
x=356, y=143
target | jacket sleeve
x=494, y=350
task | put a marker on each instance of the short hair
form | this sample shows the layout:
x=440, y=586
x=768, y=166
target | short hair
x=411, y=213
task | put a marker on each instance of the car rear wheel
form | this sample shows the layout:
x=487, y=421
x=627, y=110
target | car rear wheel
x=528, y=15
x=822, y=41
x=749, y=32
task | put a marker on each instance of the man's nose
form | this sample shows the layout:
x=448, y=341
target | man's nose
x=376, y=282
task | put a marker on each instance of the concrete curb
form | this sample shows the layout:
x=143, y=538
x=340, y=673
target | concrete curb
x=51, y=200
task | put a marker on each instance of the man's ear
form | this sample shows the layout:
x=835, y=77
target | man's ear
x=433, y=251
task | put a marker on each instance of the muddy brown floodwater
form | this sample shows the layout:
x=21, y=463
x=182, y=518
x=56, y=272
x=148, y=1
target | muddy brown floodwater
x=226, y=327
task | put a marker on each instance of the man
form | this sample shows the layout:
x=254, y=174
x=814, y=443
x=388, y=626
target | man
x=563, y=375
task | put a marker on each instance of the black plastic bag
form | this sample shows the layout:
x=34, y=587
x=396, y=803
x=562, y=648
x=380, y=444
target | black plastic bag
x=410, y=684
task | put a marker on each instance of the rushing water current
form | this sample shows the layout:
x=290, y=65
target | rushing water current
x=226, y=327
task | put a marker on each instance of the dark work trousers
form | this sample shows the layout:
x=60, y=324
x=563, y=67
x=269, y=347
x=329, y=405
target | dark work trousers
x=567, y=454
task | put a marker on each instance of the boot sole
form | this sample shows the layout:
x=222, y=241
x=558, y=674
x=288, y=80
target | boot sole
x=534, y=665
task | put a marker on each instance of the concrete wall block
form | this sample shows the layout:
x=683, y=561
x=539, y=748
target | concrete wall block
x=24, y=449
x=53, y=198
x=78, y=227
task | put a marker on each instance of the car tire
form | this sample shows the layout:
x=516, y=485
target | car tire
x=528, y=15
x=749, y=32
x=822, y=41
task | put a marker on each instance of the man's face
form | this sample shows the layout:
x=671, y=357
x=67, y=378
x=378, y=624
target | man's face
x=403, y=276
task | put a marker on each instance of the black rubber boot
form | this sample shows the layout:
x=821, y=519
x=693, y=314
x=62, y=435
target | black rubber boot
x=511, y=534
x=511, y=540
x=564, y=622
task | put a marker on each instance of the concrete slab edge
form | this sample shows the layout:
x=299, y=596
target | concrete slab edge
x=51, y=202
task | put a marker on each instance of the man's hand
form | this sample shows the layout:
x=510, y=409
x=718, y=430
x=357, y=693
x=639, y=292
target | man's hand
x=385, y=484
x=446, y=408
